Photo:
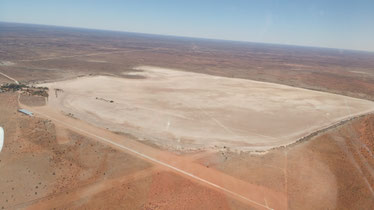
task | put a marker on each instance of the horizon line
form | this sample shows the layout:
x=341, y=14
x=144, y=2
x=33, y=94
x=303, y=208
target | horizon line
x=191, y=37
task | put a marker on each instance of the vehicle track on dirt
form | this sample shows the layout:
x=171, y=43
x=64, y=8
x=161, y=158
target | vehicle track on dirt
x=251, y=194
x=10, y=78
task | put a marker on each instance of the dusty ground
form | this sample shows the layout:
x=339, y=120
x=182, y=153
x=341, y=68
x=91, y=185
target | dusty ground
x=40, y=159
x=330, y=171
x=42, y=165
x=47, y=166
x=30, y=100
x=54, y=53
x=188, y=111
x=4, y=80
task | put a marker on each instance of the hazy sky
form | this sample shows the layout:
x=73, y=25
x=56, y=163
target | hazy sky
x=326, y=23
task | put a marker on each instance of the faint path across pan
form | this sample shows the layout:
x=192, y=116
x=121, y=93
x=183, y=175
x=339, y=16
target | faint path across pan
x=227, y=129
x=11, y=78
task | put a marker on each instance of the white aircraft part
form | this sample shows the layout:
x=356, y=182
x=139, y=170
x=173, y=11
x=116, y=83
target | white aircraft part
x=1, y=138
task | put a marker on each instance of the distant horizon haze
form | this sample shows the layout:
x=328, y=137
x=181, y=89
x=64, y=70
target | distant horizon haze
x=187, y=37
x=346, y=25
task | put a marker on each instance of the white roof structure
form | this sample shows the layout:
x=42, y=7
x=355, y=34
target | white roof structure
x=26, y=112
x=1, y=138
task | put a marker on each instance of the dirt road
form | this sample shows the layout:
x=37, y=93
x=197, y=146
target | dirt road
x=254, y=195
x=11, y=78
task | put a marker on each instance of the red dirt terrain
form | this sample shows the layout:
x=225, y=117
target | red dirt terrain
x=330, y=171
x=55, y=161
x=47, y=166
x=34, y=53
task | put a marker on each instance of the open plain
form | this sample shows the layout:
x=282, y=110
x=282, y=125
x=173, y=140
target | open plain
x=189, y=111
x=117, y=132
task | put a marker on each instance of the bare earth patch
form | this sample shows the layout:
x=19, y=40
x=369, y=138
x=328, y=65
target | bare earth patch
x=184, y=110
x=32, y=100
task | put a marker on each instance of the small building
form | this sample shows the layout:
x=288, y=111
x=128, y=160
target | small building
x=1, y=138
x=26, y=112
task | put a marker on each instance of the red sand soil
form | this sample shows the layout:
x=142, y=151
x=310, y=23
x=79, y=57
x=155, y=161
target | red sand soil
x=46, y=164
x=254, y=194
x=330, y=171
